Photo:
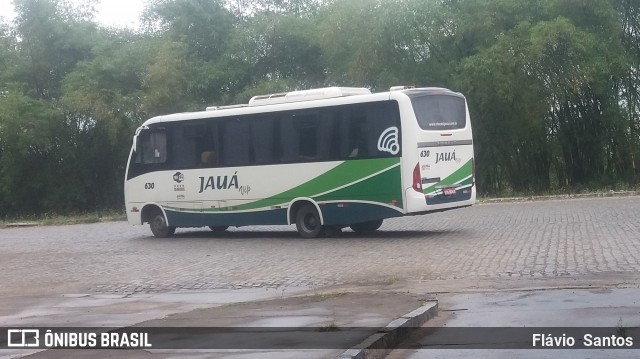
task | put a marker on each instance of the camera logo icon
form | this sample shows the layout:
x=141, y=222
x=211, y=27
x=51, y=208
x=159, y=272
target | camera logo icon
x=23, y=338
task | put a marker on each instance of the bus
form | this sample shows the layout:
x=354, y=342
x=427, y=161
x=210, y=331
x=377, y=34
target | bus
x=322, y=159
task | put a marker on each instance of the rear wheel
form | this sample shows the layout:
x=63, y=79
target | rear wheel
x=218, y=229
x=308, y=221
x=367, y=227
x=158, y=225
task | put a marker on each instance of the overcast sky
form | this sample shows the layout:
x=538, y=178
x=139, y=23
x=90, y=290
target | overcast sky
x=118, y=13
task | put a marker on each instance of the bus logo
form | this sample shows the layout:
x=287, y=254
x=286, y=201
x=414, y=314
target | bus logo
x=23, y=338
x=178, y=177
x=388, y=141
x=446, y=157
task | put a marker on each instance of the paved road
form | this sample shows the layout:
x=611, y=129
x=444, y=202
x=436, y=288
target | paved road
x=550, y=239
x=509, y=319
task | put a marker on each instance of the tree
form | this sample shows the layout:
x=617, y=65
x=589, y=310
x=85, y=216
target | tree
x=278, y=48
x=104, y=101
x=30, y=147
x=51, y=40
x=203, y=26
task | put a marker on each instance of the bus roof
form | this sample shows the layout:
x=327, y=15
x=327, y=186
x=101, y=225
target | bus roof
x=314, y=98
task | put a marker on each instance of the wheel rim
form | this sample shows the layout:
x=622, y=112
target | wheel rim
x=310, y=222
x=159, y=223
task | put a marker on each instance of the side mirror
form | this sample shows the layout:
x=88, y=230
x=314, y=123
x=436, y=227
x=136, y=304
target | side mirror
x=135, y=137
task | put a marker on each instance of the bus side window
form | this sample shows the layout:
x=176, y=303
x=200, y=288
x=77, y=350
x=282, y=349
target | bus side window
x=380, y=117
x=208, y=159
x=358, y=130
x=341, y=148
x=236, y=142
x=325, y=135
x=289, y=138
x=262, y=135
x=154, y=148
x=307, y=127
x=190, y=140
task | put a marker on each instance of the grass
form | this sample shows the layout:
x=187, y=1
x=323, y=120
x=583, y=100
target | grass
x=562, y=193
x=391, y=280
x=621, y=329
x=57, y=219
x=329, y=295
x=331, y=327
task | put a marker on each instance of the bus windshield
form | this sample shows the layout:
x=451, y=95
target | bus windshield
x=439, y=112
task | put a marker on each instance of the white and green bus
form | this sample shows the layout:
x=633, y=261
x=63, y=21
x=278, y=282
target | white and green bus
x=321, y=159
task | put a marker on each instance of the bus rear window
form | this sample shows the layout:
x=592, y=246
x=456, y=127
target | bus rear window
x=439, y=112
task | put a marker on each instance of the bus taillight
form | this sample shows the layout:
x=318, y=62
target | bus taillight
x=473, y=172
x=417, y=179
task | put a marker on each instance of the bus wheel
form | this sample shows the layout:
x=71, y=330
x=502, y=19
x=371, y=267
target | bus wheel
x=308, y=221
x=218, y=229
x=159, y=227
x=366, y=227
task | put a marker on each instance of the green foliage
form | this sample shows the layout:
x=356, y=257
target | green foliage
x=552, y=85
x=275, y=47
x=167, y=80
x=358, y=42
x=30, y=143
x=50, y=42
x=201, y=25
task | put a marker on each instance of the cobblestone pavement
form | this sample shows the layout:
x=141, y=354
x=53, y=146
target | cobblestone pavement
x=548, y=239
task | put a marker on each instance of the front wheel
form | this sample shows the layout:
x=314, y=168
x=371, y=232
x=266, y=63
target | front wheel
x=308, y=221
x=158, y=225
x=367, y=227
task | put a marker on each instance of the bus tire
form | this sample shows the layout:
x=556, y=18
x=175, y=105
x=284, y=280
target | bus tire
x=218, y=229
x=367, y=227
x=158, y=225
x=308, y=221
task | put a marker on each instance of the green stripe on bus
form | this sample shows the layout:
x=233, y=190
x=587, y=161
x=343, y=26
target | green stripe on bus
x=342, y=175
x=459, y=175
x=385, y=187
